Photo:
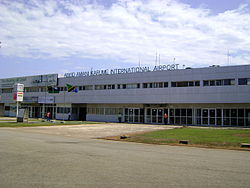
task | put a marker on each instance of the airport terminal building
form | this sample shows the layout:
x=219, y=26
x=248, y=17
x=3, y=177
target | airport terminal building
x=211, y=96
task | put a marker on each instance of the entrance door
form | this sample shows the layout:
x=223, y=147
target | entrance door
x=36, y=112
x=82, y=113
x=205, y=116
x=154, y=116
x=212, y=116
x=160, y=116
x=134, y=115
x=1, y=110
x=131, y=115
x=208, y=116
x=247, y=117
x=157, y=115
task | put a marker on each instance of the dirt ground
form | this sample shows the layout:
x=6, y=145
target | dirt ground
x=94, y=130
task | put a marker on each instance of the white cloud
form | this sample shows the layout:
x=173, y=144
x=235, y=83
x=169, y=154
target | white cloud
x=125, y=31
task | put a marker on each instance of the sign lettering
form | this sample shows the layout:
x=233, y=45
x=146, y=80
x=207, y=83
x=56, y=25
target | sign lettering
x=168, y=67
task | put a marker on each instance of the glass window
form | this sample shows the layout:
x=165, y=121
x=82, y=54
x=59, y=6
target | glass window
x=9, y=90
x=97, y=110
x=145, y=85
x=74, y=110
x=233, y=112
x=205, y=83
x=189, y=112
x=112, y=111
x=173, y=84
x=101, y=111
x=218, y=112
x=212, y=82
x=240, y=112
x=165, y=84
x=198, y=112
x=218, y=82
x=155, y=85
x=248, y=81
x=107, y=111
x=226, y=112
x=226, y=82
x=190, y=84
x=126, y=111
x=182, y=84
x=205, y=113
x=171, y=112
x=247, y=115
x=189, y=121
x=229, y=82
x=242, y=81
x=148, y=111
x=232, y=82
x=88, y=87
x=177, y=112
x=197, y=83
x=183, y=112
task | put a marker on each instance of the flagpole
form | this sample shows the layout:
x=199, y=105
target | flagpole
x=64, y=105
x=43, y=115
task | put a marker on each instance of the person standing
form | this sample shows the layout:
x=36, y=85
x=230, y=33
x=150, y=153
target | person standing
x=120, y=117
x=165, y=118
x=48, y=116
x=69, y=116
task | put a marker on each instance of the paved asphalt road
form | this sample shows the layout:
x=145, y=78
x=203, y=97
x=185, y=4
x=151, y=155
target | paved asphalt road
x=33, y=159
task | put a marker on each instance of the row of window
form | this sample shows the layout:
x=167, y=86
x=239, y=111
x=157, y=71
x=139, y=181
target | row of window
x=244, y=81
x=63, y=110
x=185, y=84
x=105, y=111
x=222, y=82
x=155, y=85
x=128, y=86
x=103, y=87
x=217, y=82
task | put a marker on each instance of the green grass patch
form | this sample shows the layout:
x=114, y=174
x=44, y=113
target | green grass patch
x=45, y=123
x=196, y=136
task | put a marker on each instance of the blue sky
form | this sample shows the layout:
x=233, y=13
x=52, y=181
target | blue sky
x=59, y=36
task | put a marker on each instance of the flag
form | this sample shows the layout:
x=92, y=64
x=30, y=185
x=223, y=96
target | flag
x=72, y=88
x=52, y=89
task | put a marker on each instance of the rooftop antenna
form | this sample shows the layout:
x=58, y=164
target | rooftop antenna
x=139, y=61
x=228, y=55
x=156, y=58
x=174, y=60
x=159, y=59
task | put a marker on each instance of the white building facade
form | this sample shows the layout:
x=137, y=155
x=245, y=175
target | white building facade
x=211, y=96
